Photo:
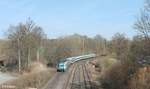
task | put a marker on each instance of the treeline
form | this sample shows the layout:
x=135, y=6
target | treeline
x=74, y=45
x=27, y=43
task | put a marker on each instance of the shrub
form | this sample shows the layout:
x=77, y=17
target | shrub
x=140, y=80
x=106, y=62
x=116, y=77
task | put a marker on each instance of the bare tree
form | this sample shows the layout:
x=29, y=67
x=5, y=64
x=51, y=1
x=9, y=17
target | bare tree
x=100, y=44
x=143, y=26
x=120, y=45
x=24, y=41
x=143, y=22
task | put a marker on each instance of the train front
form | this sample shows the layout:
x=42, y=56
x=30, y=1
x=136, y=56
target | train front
x=61, y=66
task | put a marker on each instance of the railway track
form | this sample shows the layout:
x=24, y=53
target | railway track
x=87, y=79
x=70, y=77
x=76, y=77
x=60, y=79
x=79, y=78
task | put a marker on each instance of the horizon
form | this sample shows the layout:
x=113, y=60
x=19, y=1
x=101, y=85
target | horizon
x=60, y=18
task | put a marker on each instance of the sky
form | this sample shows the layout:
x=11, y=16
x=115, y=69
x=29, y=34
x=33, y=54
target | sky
x=66, y=17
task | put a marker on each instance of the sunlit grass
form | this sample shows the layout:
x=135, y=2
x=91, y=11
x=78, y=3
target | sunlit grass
x=34, y=80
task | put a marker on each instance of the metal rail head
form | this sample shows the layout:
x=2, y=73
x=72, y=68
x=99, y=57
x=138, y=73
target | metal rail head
x=84, y=78
x=87, y=73
x=71, y=78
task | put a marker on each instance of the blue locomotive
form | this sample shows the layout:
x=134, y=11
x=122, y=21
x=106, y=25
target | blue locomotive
x=63, y=65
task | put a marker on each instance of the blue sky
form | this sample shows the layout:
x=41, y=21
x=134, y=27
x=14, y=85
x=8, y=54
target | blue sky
x=66, y=17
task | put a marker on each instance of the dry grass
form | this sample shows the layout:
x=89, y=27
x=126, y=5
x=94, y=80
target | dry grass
x=105, y=63
x=34, y=80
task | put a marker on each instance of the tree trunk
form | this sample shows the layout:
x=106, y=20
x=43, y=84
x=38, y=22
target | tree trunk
x=19, y=57
x=29, y=56
x=38, y=55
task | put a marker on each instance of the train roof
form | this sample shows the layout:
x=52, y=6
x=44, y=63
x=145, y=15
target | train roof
x=63, y=60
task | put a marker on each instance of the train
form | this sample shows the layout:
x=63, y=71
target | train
x=64, y=64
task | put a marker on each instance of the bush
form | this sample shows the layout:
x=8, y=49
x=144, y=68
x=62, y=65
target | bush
x=116, y=77
x=140, y=80
x=107, y=62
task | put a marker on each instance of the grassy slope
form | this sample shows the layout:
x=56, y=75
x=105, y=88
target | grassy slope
x=34, y=79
